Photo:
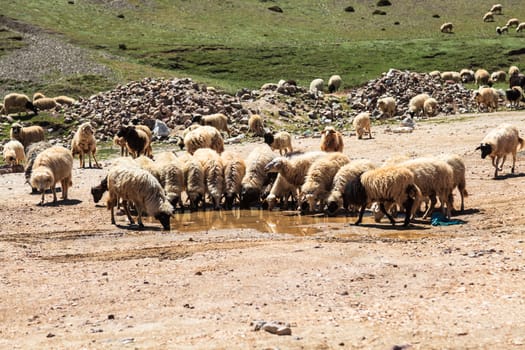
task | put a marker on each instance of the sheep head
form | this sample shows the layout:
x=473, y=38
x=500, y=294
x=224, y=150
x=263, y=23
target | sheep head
x=332, y=208
x=86, y=130
x=248, y=196
x=486, y=149
x=274, y=165
x=16, y=128
x=268, y=138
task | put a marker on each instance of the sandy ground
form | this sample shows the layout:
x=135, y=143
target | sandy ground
x=70, y=279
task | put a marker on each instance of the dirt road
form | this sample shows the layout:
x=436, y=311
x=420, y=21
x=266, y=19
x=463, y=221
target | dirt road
x=70, y=279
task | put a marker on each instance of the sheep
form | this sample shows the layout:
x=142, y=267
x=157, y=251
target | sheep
x=316, y=87
x=26, y=135
x=204, y=137
x=487, y=96
x=256, y=176
x=481, y=77
x=446, y=27
x=84, y=142
x=15, y=102
x=435, y=74
x=415, y=105
x=387, y=106
x=281, y=141
x=517, y=80
x=334, y=83
x=45, y=103
x=488, y=17
x=458, y=169
x=38, y=95
x=64, y=100
x=280, y=189
x=513, y=70
x=389, y=184
x=520, y=27
x=331, y=140
x=345, y=174
x=169, y=172
x=194, y=182
x=137, y=141
x=498, y=76
x=121, y=142
x=452, y=76
x=513, y=22
x=14, y=153
x=295, y=168
x=319, y=178
x=361, y=125
x=213, y=174
x=52, y=165
x=501, y=30
x=32, y=151
x=435, y=179
x=514, y=95
x=148, y=132
x=499, y=142
x=234, y=171
x=256, y=125
x=139, y=187
x=430, y=107
x=496, y=9
x=218, y=120
x=467, y=75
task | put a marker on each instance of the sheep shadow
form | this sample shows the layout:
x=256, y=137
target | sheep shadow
x=66, y=202
x=465, y=212
x=414, y=225
x=508, y=176
x=136, y=227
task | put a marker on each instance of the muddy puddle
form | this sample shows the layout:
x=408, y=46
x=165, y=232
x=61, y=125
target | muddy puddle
x=290, y=222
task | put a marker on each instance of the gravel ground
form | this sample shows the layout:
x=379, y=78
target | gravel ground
x=45, y=54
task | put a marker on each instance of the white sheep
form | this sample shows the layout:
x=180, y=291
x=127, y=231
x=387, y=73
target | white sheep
x=14, y=152
x=331, y=140
x=435, y=179
x=37, y=95
x=458, y=168
x=64, y=100
x=389, y=184
x=294, y=169
x=452, y=76
x=344, y=175
x=501, y=30
x=513, y=22
x=281, y=141
x=520, y=27
x=488, y=97
x=467, y=75
x=121, y=142
x=256, y=125
x=496, y=9
x=481, y=77
x=416, y=103
x=171, y=176
x=194, y=182
x=281, y=189
x=435, y=74
x=83, y=143
x=498, y=76
x=513, y=70
x=488, y=17
x=138, y=186
x=204, y=137
x=316, y=87
x=319, y=179
x=27, y=135
x=16, y=103
x=256, y=176
x=387, y=106
x=361, y=125
x=334, y=83
x=217, y=120
x=446, y=27
x=499, y=142
x=33, y=150
x=430, y=107
x=52, y=165
x=234, y=171
x=213, y=174
x=45, y=103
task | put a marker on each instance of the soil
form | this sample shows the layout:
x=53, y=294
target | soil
x=70, y=279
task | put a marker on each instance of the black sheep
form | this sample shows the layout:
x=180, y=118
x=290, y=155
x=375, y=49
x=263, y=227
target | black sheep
x=137, y=143
x=514, y=96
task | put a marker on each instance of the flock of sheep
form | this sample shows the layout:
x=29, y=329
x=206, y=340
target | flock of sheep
x=324, y=181
x=496, y=9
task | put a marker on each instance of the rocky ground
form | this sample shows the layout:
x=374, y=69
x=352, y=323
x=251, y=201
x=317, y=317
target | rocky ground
x=71, y=280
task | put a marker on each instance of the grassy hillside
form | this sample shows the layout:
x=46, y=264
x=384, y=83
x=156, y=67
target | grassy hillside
x=240, y=43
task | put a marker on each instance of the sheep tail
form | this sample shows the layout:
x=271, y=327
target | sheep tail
x=521, y=143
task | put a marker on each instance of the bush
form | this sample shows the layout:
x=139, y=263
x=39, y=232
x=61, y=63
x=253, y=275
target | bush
x=379, y=12
x=349, y=9
x=384, y=3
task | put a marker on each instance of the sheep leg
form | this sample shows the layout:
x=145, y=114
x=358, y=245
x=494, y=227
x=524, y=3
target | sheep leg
x=96, y=162
x=431, y=207
x=513, y=162
x=43, y=199
x=128, y=214
x=502, y=162
x=361, y=212
x=384, y=211
x=139, y=218
x=408, y=209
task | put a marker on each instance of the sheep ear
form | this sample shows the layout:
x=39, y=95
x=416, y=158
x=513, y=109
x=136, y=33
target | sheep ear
x=479, y=147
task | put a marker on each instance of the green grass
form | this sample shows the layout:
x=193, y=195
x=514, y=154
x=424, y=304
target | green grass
x=233, y=44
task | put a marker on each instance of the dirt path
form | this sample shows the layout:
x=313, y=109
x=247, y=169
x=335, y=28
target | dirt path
x=69, y=279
